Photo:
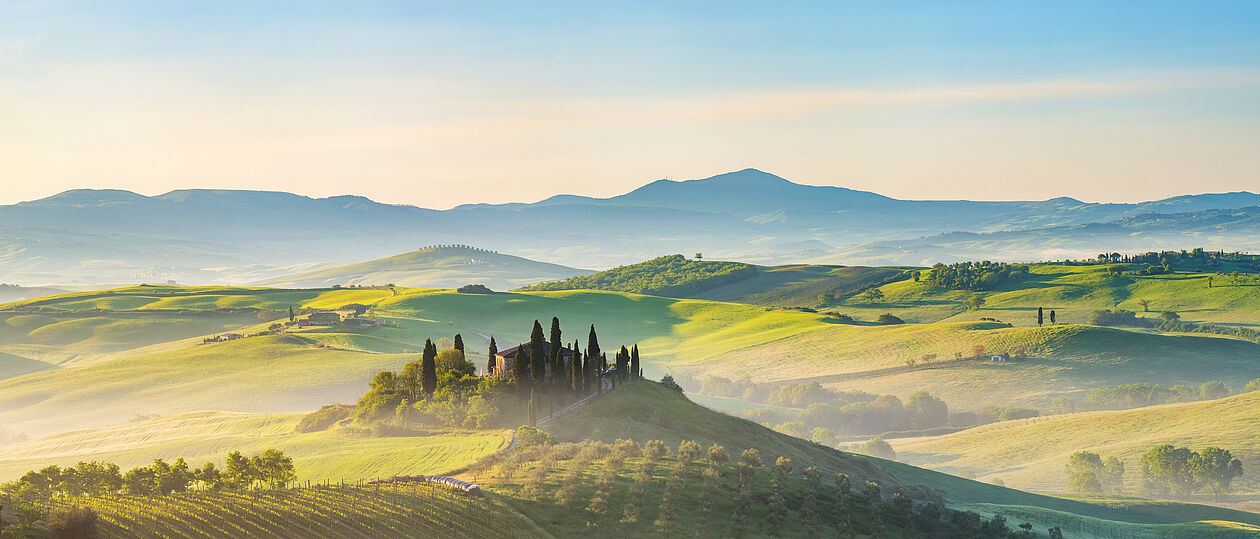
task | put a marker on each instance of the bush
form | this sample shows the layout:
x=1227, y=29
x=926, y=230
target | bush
x=474, y=289
x=875, y=447
x=73, y=523
x=653, y=449
x=324, y=418
x=668, y=381
x=527, y=436
x=887, y=319
x=1118, y=317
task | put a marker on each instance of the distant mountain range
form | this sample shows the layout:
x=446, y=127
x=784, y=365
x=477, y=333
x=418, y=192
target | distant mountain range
x=216, y=236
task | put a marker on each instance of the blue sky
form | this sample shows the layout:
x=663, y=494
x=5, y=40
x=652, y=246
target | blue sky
x=441, y=103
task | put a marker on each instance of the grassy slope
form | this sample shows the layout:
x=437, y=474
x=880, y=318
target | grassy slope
x=1031, y=453
x=645, y=411
x=447, y=267
x=209, y=436
x=798, y=285
x=1063, y=360
x=1073, y=292
x=257, y=374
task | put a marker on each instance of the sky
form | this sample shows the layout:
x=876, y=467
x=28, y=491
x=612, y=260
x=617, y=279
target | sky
x=442, y=103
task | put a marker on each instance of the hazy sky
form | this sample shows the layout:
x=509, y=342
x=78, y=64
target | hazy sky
x=441, y=103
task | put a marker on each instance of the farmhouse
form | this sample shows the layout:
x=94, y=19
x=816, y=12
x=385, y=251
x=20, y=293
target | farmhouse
x=320, y=319
x=505, y=360
x=1000, y=358
x=229, y=336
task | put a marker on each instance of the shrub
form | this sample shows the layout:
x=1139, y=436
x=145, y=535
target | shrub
x=875, y=447
x=688, y=451
x=888, y=319
x=1118, y=317
x=751, y=457
x=625, y=448
x=654, y=449
x=73, y=523
x=324, y=418
x=668, y=381
x=527, y=436
x=474, y=289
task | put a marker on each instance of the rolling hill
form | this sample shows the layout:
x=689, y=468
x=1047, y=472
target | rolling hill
x=434, y=267
x=1031, y=454
x=235, y=237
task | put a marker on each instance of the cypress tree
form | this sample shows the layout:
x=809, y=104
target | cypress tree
x=1041, y=316
x=634, y=362
x=521, y=365
x=538, y=352
x=575, y=372
x=623, y=363
x=588, y=373
x=592, y=344
x=555, y=336
x=459, y=343
x=492, y=362
x=1051, y=317
x=428, y=369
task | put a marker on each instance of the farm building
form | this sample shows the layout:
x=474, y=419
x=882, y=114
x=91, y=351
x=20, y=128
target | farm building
x=321, y=319
x=504, y=360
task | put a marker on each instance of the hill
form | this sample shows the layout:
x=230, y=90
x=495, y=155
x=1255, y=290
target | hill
x=332, y=455
x=799, y=285
x=1031, y=454
x=644, y=411
x=234, y=237
x=434, y=267
x=669, y=276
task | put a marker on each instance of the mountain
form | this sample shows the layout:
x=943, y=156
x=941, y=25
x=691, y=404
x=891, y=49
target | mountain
x=435, y=267
x=235, y=237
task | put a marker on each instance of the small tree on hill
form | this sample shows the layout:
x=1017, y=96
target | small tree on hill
x=872, y=295
x=592, y=344
x=1052, y=317
x=459, y=342
x=634, y=362
x=1041, y=316
x=538, y=352
x=974, y=302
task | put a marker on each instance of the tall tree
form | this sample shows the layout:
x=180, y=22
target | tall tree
x=492, y=363
x=592, y=344
x=520, y=367
x=459, y=342
x=555, y=333
x=428, y=369
x=634, y=362
x=575, y=372
x=538, y=352
x=623, y=363
x=589, y=374
x=409, y=379
x=1041, y=316
x=292, y=315
x=1052, y=318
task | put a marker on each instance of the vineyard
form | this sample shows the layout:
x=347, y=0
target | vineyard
x=360, y=510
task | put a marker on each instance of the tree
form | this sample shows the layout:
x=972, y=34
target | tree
x=1041, y=316
x=634, y=362
x=699, y=256
x=576, y=376
x=1253, y=385
x=1146, y=305
x=926, y=411
x=492, y=363
x=974, y=302
x=428, y=369
x=239, y=472
x=1209, y=281
x=409, y=379
x=592, y=344
x=1216, y=468
x=1213, y=390
x=751, y=457
x=623, y=363
x=1052, y=317
x=520, y=366
x=292, y=316
x=459, y=342
x=872, y=295
x=1084, y=471
x=538, y=352
x=1112, y=478
x=557, y=359
x=274, y=468
x=889, y=319
x=1166, y=468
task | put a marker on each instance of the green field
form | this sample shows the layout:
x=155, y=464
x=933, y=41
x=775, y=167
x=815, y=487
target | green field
x=1073, y=292
x=798, y=285
x=208, y=436
x=1031, y=454
x=436, y=267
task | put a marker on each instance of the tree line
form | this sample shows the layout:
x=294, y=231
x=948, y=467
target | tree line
x=672, y=276
x=269, y=469
x=974, y=276
x=1166, y=470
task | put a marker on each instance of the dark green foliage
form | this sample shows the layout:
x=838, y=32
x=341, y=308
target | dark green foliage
x=474, y=289
x=592, y=343
x=271, y=468
x=634, y=362
x=672, y=276
x=537, y=352
x=668, y=381
x=1126, y=396
x=492, y=362
x=459, y=342
x=974, y=276
x=1118, y=317
x=887, y=319
x=428, y=369
x=1167, y=469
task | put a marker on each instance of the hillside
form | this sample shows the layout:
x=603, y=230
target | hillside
x=434, y=267
x=209, y=436
x=798, y=285
x=669, y=276
x=235, y=237
x=645, y=411
x=1031, y=454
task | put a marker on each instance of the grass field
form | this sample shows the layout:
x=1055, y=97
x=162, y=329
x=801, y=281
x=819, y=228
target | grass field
x=1073, y=292
x=258, y=374
x=208, y=437
x=798, y=285
x=1031, y=454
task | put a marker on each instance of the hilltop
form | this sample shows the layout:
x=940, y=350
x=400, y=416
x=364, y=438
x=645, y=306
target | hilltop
x=1031, y=454
x=434, y=267
x=235, y=237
